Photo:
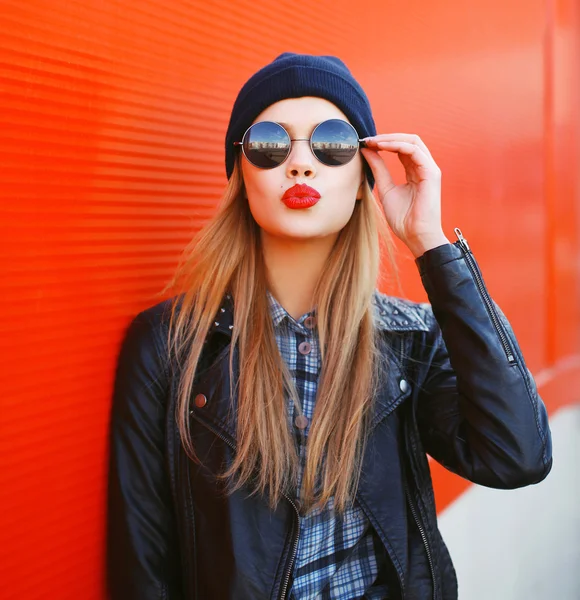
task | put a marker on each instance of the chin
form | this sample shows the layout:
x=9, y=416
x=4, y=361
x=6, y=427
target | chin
x=303, y=233
x=302, y=224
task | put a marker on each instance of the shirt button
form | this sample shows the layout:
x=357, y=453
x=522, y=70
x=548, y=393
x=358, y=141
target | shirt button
x=310, y=322
x=304, y=348
x=301, y=422
x=200, y=400
x=403, y=385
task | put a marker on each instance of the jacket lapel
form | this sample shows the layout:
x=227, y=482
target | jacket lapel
x=394, y=316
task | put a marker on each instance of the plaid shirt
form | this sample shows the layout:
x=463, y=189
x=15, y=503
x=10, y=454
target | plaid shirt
x=337, y=558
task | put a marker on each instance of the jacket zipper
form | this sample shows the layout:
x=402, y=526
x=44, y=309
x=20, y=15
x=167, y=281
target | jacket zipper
x=413, y=511
x=297, y=522
x=423, y=536
x=294, y=550
x=469, y=259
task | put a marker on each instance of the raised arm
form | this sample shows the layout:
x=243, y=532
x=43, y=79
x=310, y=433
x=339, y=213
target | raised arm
x=479, y=412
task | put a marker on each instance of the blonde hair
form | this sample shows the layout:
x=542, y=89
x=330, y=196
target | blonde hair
x=225, y=256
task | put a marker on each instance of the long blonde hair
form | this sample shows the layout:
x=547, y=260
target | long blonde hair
x=226, y=256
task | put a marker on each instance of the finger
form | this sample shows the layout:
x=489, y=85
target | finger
x=379, y=168
x=403, y=137
x=410, y=138
x=419, y=158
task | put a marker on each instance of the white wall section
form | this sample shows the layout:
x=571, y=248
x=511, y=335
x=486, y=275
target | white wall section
x=522, y=544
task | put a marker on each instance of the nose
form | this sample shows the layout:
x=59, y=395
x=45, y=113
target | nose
x=301, y=161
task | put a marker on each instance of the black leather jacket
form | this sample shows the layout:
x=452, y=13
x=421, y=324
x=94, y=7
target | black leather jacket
x=458, y=390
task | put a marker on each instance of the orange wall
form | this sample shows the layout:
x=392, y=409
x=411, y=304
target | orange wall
x=113, y=116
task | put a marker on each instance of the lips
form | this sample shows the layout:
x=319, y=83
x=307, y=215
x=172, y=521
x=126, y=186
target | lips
x=300, y=196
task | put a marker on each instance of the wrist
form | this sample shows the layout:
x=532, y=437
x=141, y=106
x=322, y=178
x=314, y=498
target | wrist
x=421, y=244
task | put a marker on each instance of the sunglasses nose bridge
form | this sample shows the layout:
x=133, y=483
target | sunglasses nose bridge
x=300, y=155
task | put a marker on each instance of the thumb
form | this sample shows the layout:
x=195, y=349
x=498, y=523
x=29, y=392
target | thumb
x=381, y=174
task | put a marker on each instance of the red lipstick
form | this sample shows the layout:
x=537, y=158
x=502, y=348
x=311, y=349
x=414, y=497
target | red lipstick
x=300, y=196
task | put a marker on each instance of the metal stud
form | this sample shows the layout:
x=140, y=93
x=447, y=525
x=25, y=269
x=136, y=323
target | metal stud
x=403, y=385
x=222, y=309
x=405, y=322
x=200, y=400
x=395, y=312
x=231, y=326
x=216, y=323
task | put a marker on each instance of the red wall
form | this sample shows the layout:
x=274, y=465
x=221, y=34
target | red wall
x=112, y=119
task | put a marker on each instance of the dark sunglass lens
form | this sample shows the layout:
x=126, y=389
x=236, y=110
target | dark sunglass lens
x=266, y=144
x=334, y=142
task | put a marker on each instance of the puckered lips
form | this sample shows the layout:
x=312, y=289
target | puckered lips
x=300, y=196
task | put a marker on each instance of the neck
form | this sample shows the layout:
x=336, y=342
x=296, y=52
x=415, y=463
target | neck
x=294, y=268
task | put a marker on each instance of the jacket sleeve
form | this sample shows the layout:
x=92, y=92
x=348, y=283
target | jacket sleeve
x=142, y=545
x=479, y=413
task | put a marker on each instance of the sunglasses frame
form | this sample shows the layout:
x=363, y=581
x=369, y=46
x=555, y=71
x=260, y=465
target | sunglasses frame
x=362, y=143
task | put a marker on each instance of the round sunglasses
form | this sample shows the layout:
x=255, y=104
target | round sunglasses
x=267, y=144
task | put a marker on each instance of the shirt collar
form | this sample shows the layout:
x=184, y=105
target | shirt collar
x=279, y=313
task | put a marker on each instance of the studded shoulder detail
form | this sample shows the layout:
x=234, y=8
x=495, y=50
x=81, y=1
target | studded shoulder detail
x=400, y=314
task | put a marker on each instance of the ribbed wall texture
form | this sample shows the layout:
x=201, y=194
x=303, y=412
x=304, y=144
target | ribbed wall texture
x=112, y=119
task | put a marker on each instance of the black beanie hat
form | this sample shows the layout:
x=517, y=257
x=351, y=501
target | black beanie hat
x=293, y=75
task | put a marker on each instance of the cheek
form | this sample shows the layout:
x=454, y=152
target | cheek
x=344, y=183
x=264, y=191
x=338, y=206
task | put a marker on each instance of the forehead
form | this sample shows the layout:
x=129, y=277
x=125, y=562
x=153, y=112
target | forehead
x=301, y=114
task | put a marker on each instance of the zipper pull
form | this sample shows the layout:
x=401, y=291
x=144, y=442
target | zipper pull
x=462, y=240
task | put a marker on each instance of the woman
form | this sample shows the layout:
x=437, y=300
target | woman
x=271, y=421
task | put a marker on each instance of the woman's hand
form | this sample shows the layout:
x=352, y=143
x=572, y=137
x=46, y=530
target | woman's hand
x=413, y=209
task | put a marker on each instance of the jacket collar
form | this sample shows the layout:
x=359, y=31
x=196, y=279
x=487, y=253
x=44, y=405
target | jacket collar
x=391, y=314
x=399, y=314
